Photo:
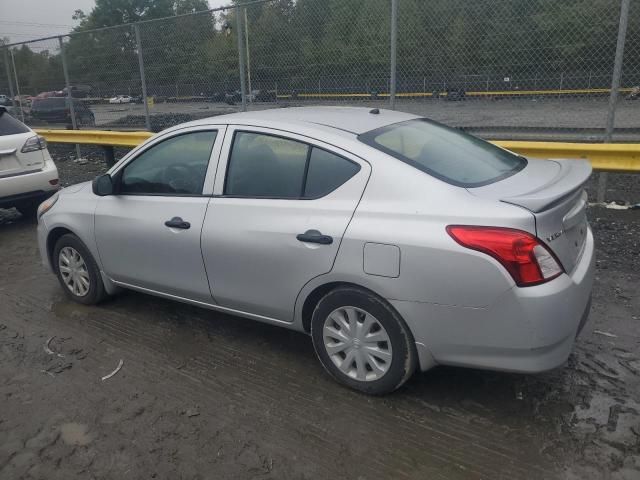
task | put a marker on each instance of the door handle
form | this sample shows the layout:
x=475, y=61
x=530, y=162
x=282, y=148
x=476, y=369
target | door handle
x=314, y=236
x=177, y=222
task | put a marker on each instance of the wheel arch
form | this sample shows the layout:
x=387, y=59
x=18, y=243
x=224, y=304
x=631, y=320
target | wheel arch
x=52, y=238
x=315, y=295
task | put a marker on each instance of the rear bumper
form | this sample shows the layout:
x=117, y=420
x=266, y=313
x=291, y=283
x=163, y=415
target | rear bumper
x=530, y=329
x=29, y=187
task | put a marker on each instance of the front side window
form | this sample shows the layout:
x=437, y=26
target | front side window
x=269, y=166
x=445, y=153
x=176, y=166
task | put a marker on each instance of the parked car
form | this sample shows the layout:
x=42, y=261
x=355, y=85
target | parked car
x=394, y=241
x=121, y=99
x=233, y=96
x=58, y=110
x=264, y=95
x=79, y=91
x=27, y=173
x=455, y=94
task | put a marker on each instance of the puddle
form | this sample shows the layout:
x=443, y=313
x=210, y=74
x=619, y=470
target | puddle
x=75, y=434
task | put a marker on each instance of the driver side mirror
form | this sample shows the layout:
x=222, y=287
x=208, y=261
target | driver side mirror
x=103, y=185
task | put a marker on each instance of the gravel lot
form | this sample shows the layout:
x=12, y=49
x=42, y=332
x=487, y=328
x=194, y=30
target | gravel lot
x=552, y=118
x=204, y=395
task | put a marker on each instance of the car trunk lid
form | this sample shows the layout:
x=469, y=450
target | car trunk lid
x=552, y=190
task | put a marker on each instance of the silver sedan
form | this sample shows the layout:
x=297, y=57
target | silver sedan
x=396, y=242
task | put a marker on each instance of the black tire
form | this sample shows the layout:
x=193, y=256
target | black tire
x=29, y=210
x=96, y=292
x=403, y=351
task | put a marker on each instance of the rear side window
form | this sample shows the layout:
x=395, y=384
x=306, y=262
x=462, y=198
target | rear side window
x=268, y=166
x=327, y=172
x=446, y=153
x=10, y=125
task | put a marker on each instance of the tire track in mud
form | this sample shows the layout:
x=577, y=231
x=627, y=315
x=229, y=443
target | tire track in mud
x=419, y=443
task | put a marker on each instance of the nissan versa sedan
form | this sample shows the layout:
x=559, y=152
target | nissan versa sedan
x=396, y=242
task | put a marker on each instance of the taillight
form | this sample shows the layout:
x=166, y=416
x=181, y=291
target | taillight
x=34, y=144
x=524, y=256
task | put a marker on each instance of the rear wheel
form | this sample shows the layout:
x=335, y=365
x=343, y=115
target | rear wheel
x=77, y=271
x=362, y=342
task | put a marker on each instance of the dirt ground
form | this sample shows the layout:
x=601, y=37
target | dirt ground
x=202, y=395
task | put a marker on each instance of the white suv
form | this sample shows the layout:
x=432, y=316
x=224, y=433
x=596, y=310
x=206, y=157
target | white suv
x=27, y=173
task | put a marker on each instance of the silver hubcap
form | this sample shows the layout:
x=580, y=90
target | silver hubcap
x=357, y=343
x=73, y=271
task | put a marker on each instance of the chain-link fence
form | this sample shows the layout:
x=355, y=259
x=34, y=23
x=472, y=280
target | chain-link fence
x=529, y=69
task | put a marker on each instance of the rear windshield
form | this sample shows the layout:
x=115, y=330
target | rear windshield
x=49, y=103
x=446, y=153
x=9, y=125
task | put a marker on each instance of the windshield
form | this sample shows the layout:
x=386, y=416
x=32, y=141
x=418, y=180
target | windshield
x=51, y=103
x=444, y=152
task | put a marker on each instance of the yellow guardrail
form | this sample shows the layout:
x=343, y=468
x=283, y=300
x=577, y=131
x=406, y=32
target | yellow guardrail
x=612, y=157
x=94, y=137
x=488, y=93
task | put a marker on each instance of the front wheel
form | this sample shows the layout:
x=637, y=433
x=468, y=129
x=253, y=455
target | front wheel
x=362, y=342
x=77, y=271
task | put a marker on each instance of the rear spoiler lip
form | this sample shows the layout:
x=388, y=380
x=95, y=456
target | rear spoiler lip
x=575, y=172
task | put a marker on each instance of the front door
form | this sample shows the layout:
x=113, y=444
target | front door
x=281, y=206
x=148, y=233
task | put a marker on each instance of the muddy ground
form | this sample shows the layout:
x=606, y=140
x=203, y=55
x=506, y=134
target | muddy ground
x=202, y=395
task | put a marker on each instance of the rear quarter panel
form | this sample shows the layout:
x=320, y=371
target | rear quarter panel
x=408, y=208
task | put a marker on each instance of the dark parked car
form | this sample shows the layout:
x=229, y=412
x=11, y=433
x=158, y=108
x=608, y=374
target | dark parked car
x=455, y=94
x=58, y=110
x=264, y=95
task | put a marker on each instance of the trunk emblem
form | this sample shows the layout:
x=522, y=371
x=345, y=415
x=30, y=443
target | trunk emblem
x=553, y=236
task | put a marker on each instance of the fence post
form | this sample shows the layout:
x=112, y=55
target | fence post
x=241, y=59
x=15, y=74
x=7, y=66
x=615, y=86
x=246, y=38
x=65, y=70
x=394, y=51
x=143, y=80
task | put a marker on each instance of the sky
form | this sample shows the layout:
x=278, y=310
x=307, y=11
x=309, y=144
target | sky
x=22, y=20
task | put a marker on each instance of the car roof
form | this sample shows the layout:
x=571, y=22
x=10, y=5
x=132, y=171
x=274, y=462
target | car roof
x=355, y=120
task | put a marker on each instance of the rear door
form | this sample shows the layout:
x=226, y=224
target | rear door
x=281, y=205
x=13, y=135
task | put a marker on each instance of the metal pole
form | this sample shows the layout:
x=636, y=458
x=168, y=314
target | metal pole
x=15, y=73
x=65, y=70
x=246, y=40
x=143, y=81
x=615, y=86
x=394, y=48
x=241, y=59
x=8, y=67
